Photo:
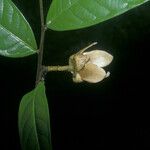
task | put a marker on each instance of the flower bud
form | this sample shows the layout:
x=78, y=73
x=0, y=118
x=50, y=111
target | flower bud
x=87, y=66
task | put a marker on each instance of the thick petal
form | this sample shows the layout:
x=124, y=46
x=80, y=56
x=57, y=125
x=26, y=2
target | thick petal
x=92, y=73
x=99, y=57
x=77, y=78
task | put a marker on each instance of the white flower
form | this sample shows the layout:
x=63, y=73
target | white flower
x=88, y=66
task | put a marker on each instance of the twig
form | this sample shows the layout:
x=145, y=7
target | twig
x=41, y=46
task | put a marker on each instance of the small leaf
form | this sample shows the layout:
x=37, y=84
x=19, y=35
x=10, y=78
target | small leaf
x=34, y=122
x=16, y=35
x=75, y=14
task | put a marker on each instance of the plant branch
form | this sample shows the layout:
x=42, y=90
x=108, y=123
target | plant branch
x=41, y=46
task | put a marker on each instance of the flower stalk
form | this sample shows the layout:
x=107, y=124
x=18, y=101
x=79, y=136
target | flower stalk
x=58, y=68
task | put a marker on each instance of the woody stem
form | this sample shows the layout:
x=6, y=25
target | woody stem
x=41, y=46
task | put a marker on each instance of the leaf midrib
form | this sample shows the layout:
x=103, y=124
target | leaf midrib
x=18, y=38
x=34, y=97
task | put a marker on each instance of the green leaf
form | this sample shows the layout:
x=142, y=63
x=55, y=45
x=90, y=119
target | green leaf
x=16, y=35
x=75, y=14
x=34, y=122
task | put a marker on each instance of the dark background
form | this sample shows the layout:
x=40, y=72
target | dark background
x=111, y=114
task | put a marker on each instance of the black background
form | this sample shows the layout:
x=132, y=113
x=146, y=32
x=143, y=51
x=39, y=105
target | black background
x=111, y=114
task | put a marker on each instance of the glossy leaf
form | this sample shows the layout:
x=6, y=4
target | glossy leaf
x=16, y=36
x=75, y=14
x=34, y=123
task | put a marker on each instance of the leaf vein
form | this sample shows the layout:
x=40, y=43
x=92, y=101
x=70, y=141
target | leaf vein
x=16, y=37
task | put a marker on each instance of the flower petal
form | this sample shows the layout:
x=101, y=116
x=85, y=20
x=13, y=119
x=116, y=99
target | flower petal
x=77, y=78
x=99, y=57
x=92, y=73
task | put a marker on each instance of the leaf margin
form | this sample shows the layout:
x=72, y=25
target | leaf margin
x=59, y=27
x=21, y=118
x=29, y=48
